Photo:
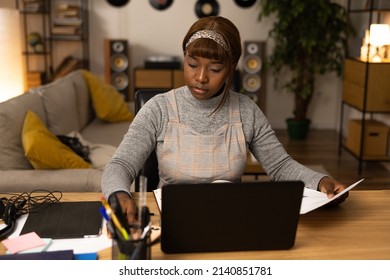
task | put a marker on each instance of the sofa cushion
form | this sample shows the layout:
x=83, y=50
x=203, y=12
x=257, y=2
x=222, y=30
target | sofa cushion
x=44, y=150
x=101, y=132
x=60, y=103
x=83, y=97
x=108, y=103
x=12, y=114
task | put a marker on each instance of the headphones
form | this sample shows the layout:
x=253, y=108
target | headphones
x=11, y=213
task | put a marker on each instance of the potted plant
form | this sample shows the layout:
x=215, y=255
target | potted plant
x=310, y=40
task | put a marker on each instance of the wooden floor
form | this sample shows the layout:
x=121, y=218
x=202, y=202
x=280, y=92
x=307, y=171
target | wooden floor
x=321, y=148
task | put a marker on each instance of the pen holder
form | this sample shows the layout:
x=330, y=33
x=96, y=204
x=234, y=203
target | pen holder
x=138, y=249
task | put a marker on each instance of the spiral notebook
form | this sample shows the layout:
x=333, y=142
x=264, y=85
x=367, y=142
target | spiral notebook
x=65, y=220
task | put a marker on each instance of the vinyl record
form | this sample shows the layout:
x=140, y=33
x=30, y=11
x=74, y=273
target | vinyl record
x=118, y=3
x=160, y=4
x=245, y=3
x=205, y=8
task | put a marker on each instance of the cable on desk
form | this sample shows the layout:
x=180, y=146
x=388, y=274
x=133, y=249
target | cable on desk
x=33, y=201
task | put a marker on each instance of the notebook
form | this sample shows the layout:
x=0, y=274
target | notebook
x=65, y=220
x=230, y=216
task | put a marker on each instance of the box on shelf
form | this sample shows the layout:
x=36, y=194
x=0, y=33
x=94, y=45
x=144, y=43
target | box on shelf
x=34, y=79
x=375, y=138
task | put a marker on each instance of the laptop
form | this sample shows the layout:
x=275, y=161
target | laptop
x=216, y=217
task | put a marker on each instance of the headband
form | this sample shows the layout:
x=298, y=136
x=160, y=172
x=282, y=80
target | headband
x=209, y=34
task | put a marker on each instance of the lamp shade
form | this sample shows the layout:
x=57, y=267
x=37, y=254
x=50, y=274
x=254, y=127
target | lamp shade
x=11, y=61
x=379, y=34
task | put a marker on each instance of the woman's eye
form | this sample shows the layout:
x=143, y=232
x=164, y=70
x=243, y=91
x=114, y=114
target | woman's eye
x=191, y=65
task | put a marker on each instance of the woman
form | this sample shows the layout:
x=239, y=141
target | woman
x=201, y=132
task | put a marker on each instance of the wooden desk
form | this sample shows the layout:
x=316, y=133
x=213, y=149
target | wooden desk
x=358, y=229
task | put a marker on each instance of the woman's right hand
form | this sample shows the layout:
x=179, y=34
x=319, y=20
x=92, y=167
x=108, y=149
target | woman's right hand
x=128, y=206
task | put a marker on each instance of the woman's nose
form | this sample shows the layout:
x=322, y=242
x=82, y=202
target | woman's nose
x=201, y=76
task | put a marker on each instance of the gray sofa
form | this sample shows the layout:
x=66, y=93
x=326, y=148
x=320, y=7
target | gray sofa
x=64, y=106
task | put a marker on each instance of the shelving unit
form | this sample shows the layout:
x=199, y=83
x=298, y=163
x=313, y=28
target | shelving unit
x=58, y=50
x=366, y=87
x=69, y=30
x=37, y=51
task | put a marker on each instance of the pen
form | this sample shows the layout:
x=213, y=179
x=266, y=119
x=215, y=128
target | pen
x=115, y=220
x=103, y=212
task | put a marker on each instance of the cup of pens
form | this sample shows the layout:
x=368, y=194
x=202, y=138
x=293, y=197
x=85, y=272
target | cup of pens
x=132, y=248
x=129, y=242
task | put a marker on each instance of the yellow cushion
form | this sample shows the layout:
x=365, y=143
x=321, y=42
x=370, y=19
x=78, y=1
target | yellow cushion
x=44, y=150
x=109, y=104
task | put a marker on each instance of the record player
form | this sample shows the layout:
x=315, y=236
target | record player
x=162, y=62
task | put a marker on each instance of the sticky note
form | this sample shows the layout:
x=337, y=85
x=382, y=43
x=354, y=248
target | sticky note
x=23, y=242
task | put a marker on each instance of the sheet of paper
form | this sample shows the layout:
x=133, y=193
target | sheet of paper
x=157, y=196
x=78, y=245
x=313, y=199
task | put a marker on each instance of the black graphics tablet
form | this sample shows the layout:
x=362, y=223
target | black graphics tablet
x=65, y=220
x=216, y=217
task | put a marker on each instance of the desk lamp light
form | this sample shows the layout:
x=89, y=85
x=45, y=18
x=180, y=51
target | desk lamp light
x=379, y=37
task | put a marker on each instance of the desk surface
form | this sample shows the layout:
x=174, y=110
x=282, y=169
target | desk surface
x=357, y=229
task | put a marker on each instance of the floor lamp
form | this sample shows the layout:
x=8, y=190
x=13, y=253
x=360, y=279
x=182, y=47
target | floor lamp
x=11, y=61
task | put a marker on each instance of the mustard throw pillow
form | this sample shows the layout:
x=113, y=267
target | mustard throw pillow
x=108, y=102
x=44, y=150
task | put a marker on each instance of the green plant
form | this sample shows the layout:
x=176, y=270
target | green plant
x=310, y=39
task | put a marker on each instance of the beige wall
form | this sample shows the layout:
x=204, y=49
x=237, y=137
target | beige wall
x=160, y=32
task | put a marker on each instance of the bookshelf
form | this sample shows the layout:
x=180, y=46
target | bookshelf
x=56, y=38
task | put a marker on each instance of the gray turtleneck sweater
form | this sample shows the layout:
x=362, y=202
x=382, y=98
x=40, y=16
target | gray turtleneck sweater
x=148, y=129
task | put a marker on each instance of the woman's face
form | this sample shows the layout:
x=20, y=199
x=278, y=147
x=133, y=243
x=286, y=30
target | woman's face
x=203, y=76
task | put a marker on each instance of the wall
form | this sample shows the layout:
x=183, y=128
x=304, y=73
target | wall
x=160, y=32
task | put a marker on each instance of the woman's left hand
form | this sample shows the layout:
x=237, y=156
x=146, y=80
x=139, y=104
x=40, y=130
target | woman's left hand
x=331, y=187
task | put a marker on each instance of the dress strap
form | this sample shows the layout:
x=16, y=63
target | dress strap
x=234, y=108
x=173, y=112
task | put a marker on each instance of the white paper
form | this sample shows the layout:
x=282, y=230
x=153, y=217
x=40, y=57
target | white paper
x=78, y=245
x=157, y=195
x=311, y=200
x=314, y=199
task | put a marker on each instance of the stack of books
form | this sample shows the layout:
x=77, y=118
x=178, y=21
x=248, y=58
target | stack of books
x=33, y=6
x=67, y=20
x=68, y=65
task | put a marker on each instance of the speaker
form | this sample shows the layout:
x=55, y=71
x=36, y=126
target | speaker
x=252, y=78
x=118, y=65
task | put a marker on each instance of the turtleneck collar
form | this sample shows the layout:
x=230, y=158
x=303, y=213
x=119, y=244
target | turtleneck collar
x=211, y=103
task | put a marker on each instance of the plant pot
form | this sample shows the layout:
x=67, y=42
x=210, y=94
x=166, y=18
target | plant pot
x=298, y=130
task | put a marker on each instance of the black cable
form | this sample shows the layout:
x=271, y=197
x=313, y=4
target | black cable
x=33, y=201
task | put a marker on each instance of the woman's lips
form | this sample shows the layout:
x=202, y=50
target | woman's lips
x=199, y=90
